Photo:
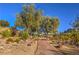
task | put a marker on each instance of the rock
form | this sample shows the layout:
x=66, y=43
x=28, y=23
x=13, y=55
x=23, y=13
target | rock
x=1, y=47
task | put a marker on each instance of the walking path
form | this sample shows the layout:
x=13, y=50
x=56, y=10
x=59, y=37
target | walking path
x=44, y=48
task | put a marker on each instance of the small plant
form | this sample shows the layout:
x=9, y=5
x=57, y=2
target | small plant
x=14, y=31
x=7, y=33
x=17, y=40
x=24, y=35
x=9, y=40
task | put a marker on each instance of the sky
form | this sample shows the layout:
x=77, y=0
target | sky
x=64, y=11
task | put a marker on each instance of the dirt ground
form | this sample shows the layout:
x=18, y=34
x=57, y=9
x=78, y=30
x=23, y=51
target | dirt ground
x=38, y=47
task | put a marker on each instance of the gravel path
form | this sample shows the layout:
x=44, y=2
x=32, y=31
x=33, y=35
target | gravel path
x=44, y=48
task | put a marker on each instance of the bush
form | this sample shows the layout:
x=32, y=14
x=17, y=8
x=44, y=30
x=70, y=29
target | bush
x=9, y=40
x=12, y=40
x=14, y=31
x=75, y=38
x=7, y=33
x=17, y=40
x=4, y=23
x=24, y=35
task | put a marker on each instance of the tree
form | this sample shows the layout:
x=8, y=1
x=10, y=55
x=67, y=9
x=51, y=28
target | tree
x=76, y=23
x=24, y=19
x=38, y=19
x=29, y=18
x=33, y=21
x=55, y=23
x=4, y=23
x=47, y=24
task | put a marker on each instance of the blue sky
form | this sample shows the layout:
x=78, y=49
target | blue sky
x=65, y=12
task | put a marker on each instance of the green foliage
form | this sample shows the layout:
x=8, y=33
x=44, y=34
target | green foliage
x=17, y=40
x=33, y=20
x=26, y=17
x=76, y=22
x=12, y=40
x=24, y=35
x=75, y=37
x=7, y=33
x=47, y=24
x=14, y=31
x=71, y=36
x=55, y=23
x=9, y=40
x=4, y=23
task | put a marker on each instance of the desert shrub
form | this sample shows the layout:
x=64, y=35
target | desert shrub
x=14, y=31
x=7, y=33
x=17, y=40
x=24, y=35
x=9, y=40
x=75, y=38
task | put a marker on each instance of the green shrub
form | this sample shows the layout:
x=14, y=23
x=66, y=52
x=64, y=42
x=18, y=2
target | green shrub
x=7, y=33
x=14, y=31
x=4, y=23
x=24, y=35
x=17, y=40
x=9, y=40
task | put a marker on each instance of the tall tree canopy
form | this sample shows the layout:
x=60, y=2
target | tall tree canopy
x=76, y=23
x=29, y=18
x=55, y=23
x=32, y=20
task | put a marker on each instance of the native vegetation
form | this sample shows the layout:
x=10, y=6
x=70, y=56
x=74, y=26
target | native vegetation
x=34, y=24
